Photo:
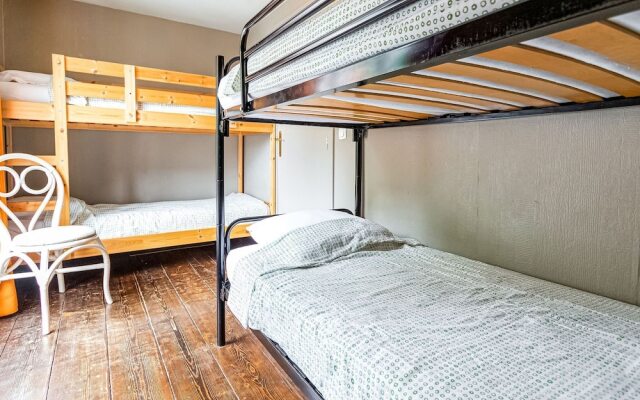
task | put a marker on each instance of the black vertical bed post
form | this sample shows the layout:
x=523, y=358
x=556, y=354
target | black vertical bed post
x=222, y=128
x=358, y=137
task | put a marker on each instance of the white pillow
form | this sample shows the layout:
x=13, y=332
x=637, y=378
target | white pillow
x=270, y=229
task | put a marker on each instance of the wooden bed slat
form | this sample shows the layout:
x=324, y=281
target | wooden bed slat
x=607, y=39
x=320, y=114
x=95, y=90
x=407, y=100
x=87, y=118
x=340, y=113
x=94, y=67
x=347, y=105
x=160, y=240
x=144, y=118
x=116, y=70
x=171, y=97
x=26, y=110
x=176, y=78
x=297, y=116
x=143, y=95
x=516, y=80
x=471, y=89
x=402, y=90
x=558, y=64
x=249, y=128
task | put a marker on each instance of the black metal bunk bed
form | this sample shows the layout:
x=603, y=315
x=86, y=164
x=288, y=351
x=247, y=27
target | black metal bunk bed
x=512, y=25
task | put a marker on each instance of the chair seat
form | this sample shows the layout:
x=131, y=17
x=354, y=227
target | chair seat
x=55, y=235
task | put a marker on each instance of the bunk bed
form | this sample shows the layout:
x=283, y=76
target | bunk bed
x=380, y=64
x=113, y=97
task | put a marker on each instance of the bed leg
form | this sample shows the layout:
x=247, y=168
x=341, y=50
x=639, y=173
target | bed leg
x=358, y=137
x=221, y=131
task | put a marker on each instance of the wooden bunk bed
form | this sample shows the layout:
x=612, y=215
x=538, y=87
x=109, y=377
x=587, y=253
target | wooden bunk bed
x=125, y=114
x=516, y=58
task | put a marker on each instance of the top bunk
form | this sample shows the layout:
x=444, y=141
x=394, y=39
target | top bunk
x=114, y=97
x=375, y=63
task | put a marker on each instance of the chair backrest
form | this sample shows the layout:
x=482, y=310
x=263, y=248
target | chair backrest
x=53, y=185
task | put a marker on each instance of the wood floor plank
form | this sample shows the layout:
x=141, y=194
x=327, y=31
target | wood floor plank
x=156, y=341
x=204, y=263
x=252, y=375
x=135, y=365
x=193, y=371
x=81, y=365
x=6, y=326
x=27, y=357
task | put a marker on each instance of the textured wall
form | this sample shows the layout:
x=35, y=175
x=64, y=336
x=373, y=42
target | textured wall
x=121, y=167
x=557, y=197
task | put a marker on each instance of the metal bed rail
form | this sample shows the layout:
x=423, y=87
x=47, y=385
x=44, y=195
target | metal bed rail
x=513, y=24
x=366, y=18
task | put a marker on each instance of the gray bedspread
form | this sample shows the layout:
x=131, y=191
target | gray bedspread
x=367, y=315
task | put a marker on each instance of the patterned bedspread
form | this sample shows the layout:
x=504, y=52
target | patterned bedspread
x=367, y=315
x=416, y=21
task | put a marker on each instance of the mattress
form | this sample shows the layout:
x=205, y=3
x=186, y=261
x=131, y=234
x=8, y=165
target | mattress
x=367, y=315
x=42, y=93
x=416, y=21
x=236, y=255
x=123, y=220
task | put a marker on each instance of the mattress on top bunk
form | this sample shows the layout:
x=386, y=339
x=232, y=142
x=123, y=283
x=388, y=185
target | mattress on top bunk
x=35, y=87
x=367, y=315
x=123, y=220
x=416, y=21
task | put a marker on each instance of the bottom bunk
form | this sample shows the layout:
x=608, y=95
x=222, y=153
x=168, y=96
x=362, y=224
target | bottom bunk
x=365, y=314
x=143, y=226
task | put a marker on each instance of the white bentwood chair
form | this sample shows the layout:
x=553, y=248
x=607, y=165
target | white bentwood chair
x=53, y=243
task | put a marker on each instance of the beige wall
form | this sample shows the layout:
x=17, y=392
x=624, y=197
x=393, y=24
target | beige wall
x=121, y=167
x=556, y=197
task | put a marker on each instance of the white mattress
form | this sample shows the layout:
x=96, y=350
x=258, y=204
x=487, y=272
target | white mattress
x=416, y=21
x=39, y=93
x=236, y=255
x=123, y=220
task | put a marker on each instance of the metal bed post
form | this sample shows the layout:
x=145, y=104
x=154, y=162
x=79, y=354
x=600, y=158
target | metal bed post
x=221, y=131
x=358, y=137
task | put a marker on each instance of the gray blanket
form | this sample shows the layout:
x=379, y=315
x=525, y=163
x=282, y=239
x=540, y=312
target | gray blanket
x=367, y=315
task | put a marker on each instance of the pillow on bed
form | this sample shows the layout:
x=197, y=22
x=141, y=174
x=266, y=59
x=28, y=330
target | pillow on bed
x=270, y=229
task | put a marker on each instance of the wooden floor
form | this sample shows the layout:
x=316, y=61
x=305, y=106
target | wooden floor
x=156, y=341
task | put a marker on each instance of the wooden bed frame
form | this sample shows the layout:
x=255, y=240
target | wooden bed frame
x=62, y=116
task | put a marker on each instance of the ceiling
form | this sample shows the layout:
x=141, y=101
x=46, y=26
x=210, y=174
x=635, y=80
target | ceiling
x=224, y=15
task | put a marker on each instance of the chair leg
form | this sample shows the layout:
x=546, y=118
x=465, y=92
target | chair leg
x=44, y=307
x=61, y=286
x=106, y=262
x=43, y=283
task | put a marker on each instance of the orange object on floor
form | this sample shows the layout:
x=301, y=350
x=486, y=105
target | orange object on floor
x=8, y=298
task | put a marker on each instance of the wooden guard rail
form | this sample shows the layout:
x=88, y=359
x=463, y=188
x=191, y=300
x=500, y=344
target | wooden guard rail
x=62, y=116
